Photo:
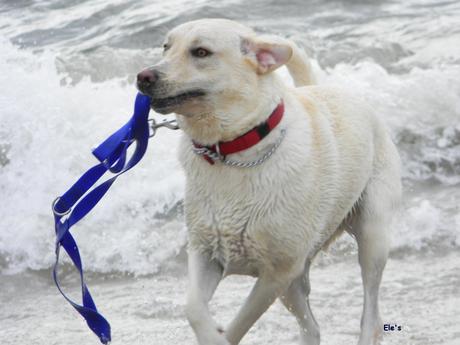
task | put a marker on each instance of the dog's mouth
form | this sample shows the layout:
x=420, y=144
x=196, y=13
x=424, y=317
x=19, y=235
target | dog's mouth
x=162, y=104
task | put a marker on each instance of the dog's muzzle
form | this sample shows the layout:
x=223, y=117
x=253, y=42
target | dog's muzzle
x=148, y=83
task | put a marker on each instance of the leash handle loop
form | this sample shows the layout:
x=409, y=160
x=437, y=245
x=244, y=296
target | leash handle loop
x=81, y=198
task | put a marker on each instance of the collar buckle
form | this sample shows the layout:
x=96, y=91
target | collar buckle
x=220, y=157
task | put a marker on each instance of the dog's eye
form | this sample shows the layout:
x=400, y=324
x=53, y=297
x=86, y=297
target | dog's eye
x=200, y=52
x=165, y=47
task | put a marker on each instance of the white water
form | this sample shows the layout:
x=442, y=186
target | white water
x=49, y=131
x=48, y=127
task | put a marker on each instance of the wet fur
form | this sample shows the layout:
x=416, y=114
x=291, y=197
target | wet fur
x=336, y=168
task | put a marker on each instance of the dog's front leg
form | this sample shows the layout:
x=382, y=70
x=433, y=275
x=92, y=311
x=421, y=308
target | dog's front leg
x=204, y=276
x=262, y=296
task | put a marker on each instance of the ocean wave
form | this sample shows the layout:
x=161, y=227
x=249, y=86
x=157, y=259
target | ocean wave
x=48, y=127
x=49, y=130
x=422, y=109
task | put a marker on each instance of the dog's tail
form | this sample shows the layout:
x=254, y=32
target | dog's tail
x=299, y=67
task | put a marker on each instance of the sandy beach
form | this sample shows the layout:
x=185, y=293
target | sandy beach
x=150, y=310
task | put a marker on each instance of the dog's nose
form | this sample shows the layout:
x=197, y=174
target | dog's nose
x=146, y=80
x=147, y=77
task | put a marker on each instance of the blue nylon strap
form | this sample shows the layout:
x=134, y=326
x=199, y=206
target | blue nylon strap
x=82, y=197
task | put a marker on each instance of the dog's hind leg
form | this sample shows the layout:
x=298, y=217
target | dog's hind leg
x=266, y=290
x=370, y=228
x=295, y=299
x=204, y=276
x=372, y=253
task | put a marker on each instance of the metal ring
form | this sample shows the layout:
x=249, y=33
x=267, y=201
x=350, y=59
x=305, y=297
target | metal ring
x=56, y=213
x=152, y=127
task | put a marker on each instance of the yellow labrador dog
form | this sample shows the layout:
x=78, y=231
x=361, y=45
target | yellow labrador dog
x=273, y=173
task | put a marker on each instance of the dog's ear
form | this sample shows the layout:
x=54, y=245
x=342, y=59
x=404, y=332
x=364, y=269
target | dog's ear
x=266, y=53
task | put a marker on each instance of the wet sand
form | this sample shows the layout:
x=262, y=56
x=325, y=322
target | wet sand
x=421, y=293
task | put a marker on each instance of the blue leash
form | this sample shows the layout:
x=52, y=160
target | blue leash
x=112, y=155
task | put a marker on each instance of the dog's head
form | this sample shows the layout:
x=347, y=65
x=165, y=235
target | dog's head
x=209, y=65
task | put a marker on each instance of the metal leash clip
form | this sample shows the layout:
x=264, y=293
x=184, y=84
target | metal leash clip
x=171, y=124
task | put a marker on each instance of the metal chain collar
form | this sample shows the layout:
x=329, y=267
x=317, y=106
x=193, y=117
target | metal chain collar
x=216, y=156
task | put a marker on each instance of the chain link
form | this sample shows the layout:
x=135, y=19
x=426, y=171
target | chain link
x=204, y=151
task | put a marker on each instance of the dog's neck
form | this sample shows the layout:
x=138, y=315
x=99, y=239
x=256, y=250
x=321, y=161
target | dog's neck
x=237, y=117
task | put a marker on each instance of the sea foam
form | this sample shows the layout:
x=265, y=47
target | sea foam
x=48, y=127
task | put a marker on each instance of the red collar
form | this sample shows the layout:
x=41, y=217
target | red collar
x=248, y=139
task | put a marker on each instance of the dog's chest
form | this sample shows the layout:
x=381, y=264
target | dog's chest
x=248, y=219
x=223, y=221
